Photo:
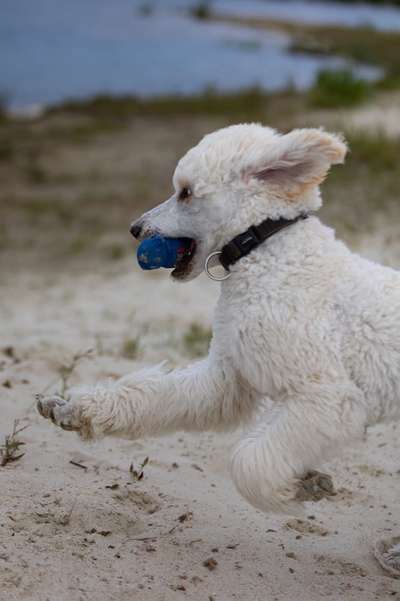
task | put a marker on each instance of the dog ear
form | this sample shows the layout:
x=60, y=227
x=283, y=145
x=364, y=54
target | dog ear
x=300, y=160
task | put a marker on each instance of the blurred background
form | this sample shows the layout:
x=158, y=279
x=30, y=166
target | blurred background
x=98, y=101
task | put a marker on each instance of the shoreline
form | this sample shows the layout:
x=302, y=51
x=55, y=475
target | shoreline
x=364, y=48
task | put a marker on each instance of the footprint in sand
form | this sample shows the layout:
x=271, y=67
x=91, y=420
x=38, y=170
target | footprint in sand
x=387, y=552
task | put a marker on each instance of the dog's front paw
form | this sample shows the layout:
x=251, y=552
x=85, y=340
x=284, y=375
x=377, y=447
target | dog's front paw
x=87, y=410
x=62, y=412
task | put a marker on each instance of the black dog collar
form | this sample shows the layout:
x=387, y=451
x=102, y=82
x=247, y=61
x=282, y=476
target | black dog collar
x=244, y=243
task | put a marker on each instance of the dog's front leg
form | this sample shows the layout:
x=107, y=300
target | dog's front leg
x=202, y=396
x=294, y=438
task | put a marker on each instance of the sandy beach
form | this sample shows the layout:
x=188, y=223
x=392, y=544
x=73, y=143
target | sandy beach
x=91, y=531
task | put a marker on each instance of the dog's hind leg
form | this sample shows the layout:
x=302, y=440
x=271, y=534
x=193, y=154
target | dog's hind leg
x=295, y=437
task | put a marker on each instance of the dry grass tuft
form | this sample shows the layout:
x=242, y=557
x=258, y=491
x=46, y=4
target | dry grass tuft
x=9, y=451
x=139, y=473
x=67, y=369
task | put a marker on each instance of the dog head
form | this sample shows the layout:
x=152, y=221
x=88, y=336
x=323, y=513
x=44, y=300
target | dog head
x=237, y=177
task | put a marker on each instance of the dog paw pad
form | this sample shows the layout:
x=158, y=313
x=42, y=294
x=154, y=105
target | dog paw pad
x=58, y=409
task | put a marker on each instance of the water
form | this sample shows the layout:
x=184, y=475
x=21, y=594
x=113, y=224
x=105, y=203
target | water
x=383, y=18
x=50, y=51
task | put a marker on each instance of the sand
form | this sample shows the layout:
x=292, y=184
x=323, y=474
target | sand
x=73, y=533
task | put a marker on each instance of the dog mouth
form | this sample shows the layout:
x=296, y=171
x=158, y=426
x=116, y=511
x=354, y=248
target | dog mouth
x=184, y=262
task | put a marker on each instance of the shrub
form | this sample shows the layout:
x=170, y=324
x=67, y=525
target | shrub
x=338, y=88
x=202, y=10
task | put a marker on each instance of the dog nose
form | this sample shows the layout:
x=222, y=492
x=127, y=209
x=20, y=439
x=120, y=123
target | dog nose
x=135, y=229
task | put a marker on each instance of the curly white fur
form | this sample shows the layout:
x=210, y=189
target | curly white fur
x=306, y=342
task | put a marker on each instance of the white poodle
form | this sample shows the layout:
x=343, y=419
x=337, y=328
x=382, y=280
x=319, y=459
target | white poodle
x=306, y=342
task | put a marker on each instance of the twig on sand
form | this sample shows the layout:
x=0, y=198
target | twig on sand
x=84, y=467
x=155, y=537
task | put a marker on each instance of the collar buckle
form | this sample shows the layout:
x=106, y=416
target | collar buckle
x=214, y=257
x=247, y=241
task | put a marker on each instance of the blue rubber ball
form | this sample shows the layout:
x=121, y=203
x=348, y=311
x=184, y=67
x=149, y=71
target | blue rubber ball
x=157, y=252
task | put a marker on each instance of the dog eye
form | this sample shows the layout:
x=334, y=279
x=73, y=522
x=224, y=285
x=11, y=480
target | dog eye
x=185, y=193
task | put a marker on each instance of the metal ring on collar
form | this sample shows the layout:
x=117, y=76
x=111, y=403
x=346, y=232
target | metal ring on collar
x=207, y=268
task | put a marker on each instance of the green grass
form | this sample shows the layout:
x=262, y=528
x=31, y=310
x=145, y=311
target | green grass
x=367, y=184
x=105, y=114
x=113, y=110
x=42, y=208
x=130, y=348
x=338, y=89
x=78, y=245
x=115, y=251
x=196, y=340
x=372, y=163
x=377, y=152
